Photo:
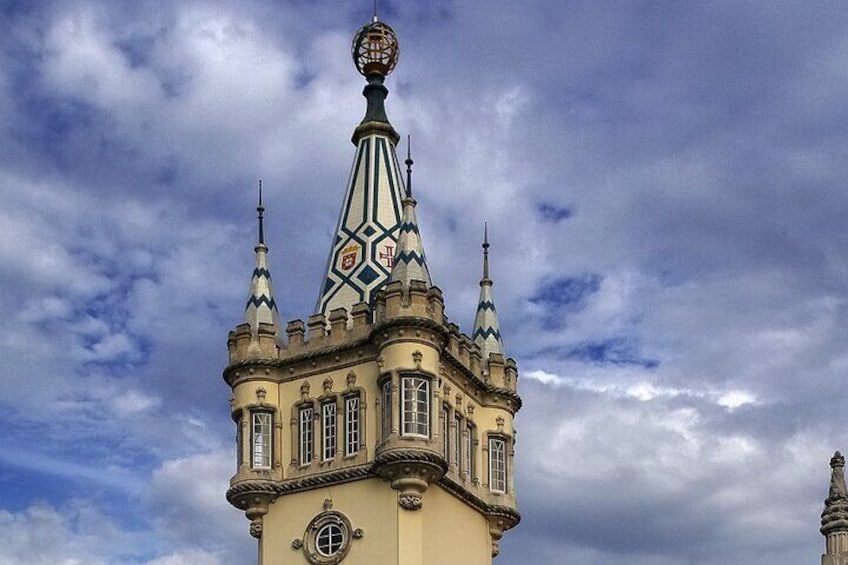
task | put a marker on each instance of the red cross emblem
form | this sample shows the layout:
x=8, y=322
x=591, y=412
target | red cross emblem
x=388, y=256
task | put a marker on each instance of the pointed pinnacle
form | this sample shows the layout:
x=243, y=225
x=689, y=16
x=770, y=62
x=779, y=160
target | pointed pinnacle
x=408, y=166
x=260, y=210
x=485, y=251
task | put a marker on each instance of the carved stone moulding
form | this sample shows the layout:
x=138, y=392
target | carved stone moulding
x=410, y=472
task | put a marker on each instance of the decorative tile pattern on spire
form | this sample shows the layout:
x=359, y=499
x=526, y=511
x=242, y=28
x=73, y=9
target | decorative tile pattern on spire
x=487, y=330
x=365, y=244
x=260, y=307
x=410, y=263
x=366, y=238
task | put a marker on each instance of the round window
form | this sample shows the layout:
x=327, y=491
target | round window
x=329, y=539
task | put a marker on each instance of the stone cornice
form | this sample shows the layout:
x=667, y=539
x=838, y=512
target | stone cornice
x=511, y=515
x=277, y=488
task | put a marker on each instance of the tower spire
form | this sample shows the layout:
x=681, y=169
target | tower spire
x=487, y=329
x=410, y=263
x=366, y=238
x=261, y=307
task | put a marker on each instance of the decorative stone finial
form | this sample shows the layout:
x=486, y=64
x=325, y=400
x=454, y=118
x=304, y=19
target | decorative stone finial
x=834, y=518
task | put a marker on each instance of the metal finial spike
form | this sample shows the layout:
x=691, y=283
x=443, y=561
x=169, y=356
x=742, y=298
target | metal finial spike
x=485, y=250
x=408, y=165
x=375, y=10
x=260, y=209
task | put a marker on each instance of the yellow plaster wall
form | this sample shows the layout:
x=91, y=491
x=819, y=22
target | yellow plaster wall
x=369, y=504
x=453, y=532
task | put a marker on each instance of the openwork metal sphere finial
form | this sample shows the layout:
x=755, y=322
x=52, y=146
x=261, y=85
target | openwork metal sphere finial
x=375, y=49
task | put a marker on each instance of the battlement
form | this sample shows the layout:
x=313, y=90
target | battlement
x=396, y=305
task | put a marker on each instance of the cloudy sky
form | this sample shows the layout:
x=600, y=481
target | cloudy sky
x=665, y=187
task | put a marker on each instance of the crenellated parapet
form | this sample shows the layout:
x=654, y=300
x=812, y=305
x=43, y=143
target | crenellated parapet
x=376, y=360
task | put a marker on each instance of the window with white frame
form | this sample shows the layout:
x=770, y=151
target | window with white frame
x=239, y=443
x=469, y=450
x=445, y=432
x=416, y=406
x=260, y=444
x=352, y=430
x=329, y=539
x=305, y=434
x=328, y=430
x=457, y=443
x=386, y=399
x=497, y=464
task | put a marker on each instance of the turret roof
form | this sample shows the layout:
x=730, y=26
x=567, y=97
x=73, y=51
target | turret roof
x=487, y=329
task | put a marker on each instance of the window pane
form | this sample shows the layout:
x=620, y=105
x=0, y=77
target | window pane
x=457, y=444
x=445, y=436
x=328, y=420
x=497, y=464
x=305, y=435
x=351, y=425
x=416, y=406
x=329, y=540
x=387, y=409
x=469, y=451
x=261, y=440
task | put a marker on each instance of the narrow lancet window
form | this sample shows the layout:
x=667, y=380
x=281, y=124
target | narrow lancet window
x=305, y=439
x=352, y=430
x=261, y=440
x=497, y=464
x=328, y=430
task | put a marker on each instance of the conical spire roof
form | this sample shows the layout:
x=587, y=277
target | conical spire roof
x=366, y=238
x=487, y=330
x=835, y=515
x=260, y=307
x=410, y=263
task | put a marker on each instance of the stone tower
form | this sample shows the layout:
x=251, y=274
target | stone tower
x=376, y=432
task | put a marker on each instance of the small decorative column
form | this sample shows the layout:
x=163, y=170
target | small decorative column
x=834, y=520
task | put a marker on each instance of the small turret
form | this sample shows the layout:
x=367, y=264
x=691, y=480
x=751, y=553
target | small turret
x=834, y=518
x=260, y=312
x=410, y=263
x=487, y=330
